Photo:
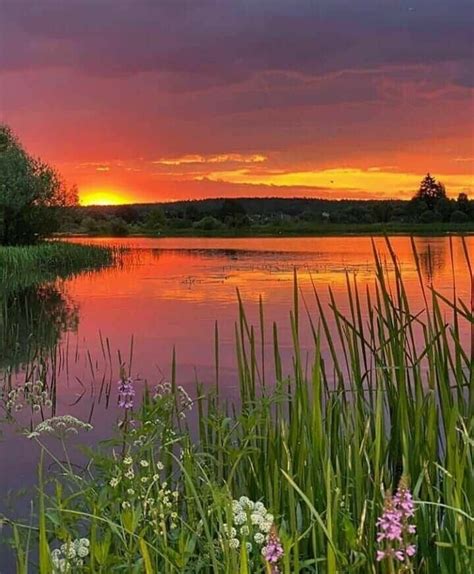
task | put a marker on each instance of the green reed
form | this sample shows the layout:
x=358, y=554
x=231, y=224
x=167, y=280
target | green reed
x=26, y=265
x=319, y=446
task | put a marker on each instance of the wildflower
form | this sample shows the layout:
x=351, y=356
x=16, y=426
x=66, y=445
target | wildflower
x=273, y=550
x=70, y=556
x=125, y=504
x=130, y=491
x=130, y=474
x=68, y=551
x=60, y=426
x=234, y=543
x=394, y=527
x=266, y=526
x=251, y=520
x=144, y=463
x=128, y=460
x=256, y=518
x=240, y=518
x=160, y=465
x=114, y=482
x=259, y=538
x=246, y=503
x=126, y=393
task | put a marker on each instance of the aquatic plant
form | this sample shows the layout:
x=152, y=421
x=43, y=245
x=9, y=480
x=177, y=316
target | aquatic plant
x=321, y=444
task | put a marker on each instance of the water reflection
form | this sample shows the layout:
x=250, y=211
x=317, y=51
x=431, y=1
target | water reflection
x=32, y=322
x=433, y=257
x=169, y=293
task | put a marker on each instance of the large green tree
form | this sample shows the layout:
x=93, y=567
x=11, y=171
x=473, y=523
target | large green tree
x=32, y=194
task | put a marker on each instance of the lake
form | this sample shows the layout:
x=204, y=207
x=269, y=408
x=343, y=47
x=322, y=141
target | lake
x=169, y=294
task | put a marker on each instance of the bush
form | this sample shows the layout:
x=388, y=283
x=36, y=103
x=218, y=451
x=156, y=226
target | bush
x=208, y=223
x=429, y=216
x=117, y=227
x=459, y=217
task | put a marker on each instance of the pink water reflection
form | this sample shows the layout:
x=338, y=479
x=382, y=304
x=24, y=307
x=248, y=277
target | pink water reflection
x=169, y=293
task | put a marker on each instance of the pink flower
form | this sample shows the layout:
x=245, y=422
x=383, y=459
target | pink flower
x=394, y=528
x=126, y=393
x=273, y=550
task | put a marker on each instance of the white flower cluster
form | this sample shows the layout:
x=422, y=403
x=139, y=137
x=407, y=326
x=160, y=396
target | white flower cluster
x=61, y=427
x=70, y=556
x=250, y=521
x=140, y=483
x=34, y=394
x=184, y=401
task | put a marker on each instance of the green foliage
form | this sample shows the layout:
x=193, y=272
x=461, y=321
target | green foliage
x=459, y=216
x=21, y=266
x=431, y=191
x=31, y=194
x=276, y=216
x=155, y=219
x=117, y=227
x=208, y=223
x=319, y=446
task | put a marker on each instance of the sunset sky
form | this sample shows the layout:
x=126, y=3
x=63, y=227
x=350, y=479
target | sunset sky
x=155, y=100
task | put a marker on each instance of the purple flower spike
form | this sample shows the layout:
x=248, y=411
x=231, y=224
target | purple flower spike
x=394, y=527
x=273, y=550
x=126, y=393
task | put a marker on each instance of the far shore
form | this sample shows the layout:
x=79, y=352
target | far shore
x=438, y=230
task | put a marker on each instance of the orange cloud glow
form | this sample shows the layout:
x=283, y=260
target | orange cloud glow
x=375, y=181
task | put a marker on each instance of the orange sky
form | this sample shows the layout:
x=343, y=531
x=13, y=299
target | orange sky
x=151, y=102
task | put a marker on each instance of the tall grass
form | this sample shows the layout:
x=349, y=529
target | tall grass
x=37, y=263
x=320, y=447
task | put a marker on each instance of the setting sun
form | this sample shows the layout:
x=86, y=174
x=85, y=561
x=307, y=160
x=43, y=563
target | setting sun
x=102, y=196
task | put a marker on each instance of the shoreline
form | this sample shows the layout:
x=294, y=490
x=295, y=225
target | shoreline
x=409, y=232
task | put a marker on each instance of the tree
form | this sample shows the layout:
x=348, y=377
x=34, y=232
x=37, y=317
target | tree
x=231, y=210
x=431, y=191
x=155, y=219
x=463, y=202
x=459, y=216
x=128, y=213
x=32, y=193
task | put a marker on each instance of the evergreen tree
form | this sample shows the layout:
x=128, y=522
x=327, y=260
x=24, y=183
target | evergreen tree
x=431, y=191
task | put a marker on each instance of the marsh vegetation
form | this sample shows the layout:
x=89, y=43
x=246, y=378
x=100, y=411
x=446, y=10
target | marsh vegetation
x=293, y=476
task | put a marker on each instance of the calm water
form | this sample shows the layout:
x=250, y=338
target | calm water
x=170, y=292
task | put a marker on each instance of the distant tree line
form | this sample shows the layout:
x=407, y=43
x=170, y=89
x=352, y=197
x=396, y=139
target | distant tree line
x=429, y=205
x=35, y=202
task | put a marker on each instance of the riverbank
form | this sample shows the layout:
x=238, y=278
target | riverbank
x=300, y=230
x=26, y=265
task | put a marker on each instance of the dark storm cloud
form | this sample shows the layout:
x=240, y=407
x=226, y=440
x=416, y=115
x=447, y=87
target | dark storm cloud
x=201, y=43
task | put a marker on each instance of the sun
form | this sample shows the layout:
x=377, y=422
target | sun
x=102, y=196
